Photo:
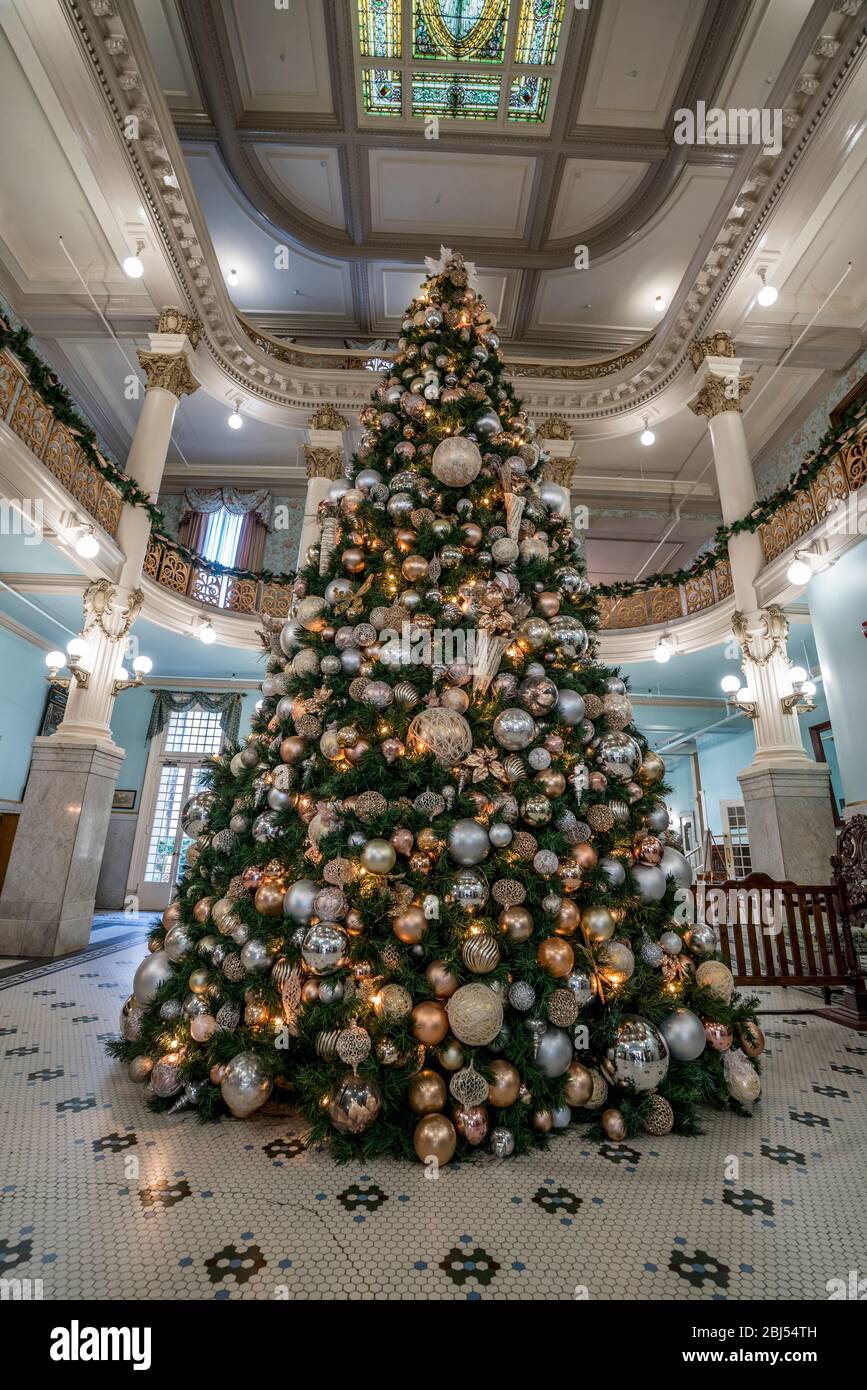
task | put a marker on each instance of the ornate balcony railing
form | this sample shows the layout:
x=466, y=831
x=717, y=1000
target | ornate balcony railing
x=667, y=604
x=844, y=473
x=55, y=445
x=169, y=568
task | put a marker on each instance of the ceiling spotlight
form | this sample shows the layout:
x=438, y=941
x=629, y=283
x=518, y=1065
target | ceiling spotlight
x=87, y=545
x=647, y=436
x=660, y=303
x=232, y=277
x=235, y=420
x=767, y=294
x=730, y=684
x=664, y=649
x=133, y=266
x=207, y=633
x=799, y=572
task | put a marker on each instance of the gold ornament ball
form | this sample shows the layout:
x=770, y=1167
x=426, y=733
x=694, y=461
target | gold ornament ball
x=450, y=1054
x=597, y=924
x=556, y=956
x=600, y=1091
x=505, y=1084
x=719, y=1036
x=435, y=1137
x=712, y=975
x=542, y=1121
x=172, y=915
x=378, y=857
x=481, y=953
x=652, y=769
x=353, y=559
x=475, y=1013
x=516, y=923
x=310, y=992
x=442, y=979
x=394, y=1002
x=292, y=749
x=410, y=926
x=613, y=1125
x=430, y=1022
x=584, y=856
x=427, y=1093
x=414, y=568
x=578, y=1089
x=568, y=918
x=202, y=909
x=552, y=782
x=751, y=1039
x=269, y=900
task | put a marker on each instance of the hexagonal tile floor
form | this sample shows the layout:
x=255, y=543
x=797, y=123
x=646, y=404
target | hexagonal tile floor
x=102, y=1199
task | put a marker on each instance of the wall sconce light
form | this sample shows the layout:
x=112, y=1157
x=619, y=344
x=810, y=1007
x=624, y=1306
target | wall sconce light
x=142, y=665
x=741, y=699
x=803, y=689
x=56, y=660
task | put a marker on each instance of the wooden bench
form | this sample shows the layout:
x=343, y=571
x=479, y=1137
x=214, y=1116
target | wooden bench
x=787, y=934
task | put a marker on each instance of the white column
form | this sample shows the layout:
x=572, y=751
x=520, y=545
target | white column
x=786, y=793
x=169, y=377
x=323, y=456
x=50, y=887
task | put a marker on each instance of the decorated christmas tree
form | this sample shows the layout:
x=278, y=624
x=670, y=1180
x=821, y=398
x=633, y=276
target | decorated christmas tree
x=433, y=901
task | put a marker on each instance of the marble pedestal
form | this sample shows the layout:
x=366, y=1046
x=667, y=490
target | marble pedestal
x=47, y=904
x=790, y=824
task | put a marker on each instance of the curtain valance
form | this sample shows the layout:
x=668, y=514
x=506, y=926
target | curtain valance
x=260, y=502
x=227, y=705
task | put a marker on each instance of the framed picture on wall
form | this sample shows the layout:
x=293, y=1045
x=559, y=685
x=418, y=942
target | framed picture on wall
x=123, y=800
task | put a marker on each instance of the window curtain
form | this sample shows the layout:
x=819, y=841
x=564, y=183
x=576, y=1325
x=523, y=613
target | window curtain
x=221, y=537
x=250, y=554
x=228, y=706
x=192, y=530
x=260, y=503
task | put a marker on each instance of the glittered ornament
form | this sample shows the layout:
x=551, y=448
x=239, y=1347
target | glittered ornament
x=658, y=1118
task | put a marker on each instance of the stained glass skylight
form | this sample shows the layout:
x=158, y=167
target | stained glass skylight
x=379, y=28
x=469, y=97
x=469, y=31
x=468, y=60
x=539, y=31
x=381, y=91
x=528, y=98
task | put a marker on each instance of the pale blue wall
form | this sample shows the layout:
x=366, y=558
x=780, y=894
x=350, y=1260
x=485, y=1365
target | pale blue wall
x=23, y=690
x=838, y=605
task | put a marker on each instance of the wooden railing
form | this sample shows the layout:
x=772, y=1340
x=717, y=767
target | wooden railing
x=168, y=567
x=55, y=445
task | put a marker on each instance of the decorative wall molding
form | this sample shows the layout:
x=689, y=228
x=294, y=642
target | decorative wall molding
x=129, y=87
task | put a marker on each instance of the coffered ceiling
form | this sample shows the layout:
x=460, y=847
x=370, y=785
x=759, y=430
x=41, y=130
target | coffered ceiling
x=254, y=138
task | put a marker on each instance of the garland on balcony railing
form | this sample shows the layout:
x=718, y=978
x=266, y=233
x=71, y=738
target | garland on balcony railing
x=831, y=442
x=214, y=566
x=44, y=381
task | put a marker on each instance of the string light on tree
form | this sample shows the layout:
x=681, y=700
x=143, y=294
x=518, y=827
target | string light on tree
x=428, y=852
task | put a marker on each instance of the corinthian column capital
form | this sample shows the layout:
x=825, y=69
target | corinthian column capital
x=170, y=371
x=323, y=463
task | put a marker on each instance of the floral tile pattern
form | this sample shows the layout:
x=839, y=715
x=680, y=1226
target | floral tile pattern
x=767, y=1207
